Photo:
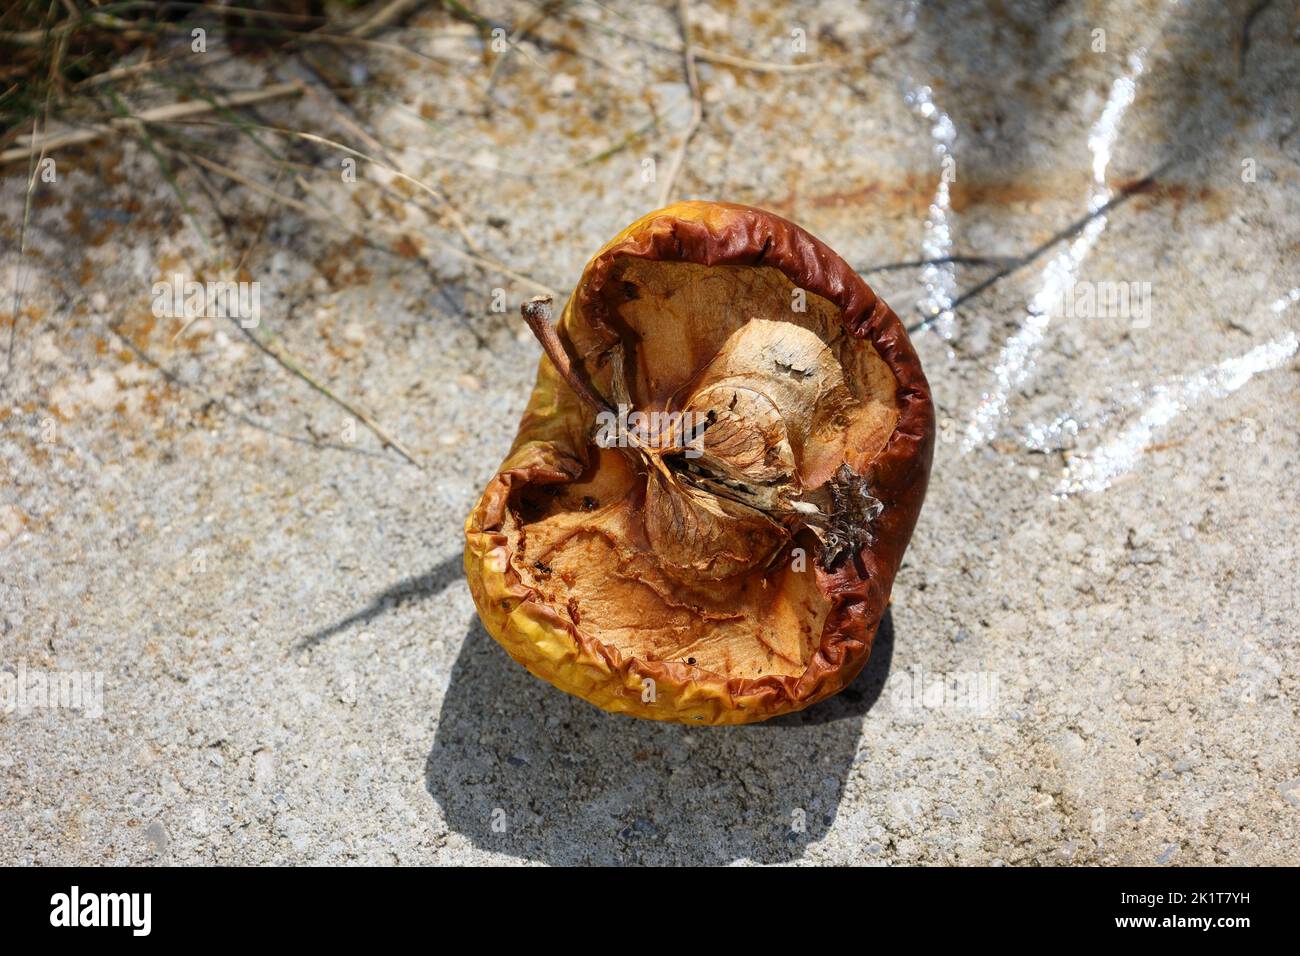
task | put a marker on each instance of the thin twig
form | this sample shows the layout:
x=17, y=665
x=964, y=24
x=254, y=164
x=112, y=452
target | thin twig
x=103, y=21
x=323, y=216
x=1068, y=232
x=551, y=171
x=160, y=114
x=739, y=62
x=142, y=131
x=286, y=361
x=228, y=406
x=1243, y=42
x=291, y=365
x=448, y=211
x=34, y=163
x=145, y=66
x=940, y=261
x=762, y=66
x=483, y=23
x=512, y=44
x=40, y=36
x=401, y=242
x=392, y=12
x=697, y=104
x=144, y=29
x=257, y=238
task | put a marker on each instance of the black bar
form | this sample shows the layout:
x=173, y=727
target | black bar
x=333, y=905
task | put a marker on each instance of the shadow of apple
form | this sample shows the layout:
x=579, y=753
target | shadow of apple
x=521, y=768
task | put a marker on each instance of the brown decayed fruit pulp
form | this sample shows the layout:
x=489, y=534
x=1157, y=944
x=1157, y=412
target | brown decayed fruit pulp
x=715, y=479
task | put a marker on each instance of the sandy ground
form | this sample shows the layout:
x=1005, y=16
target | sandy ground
x=292, y=669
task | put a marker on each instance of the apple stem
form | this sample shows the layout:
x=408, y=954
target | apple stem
x=537, y=313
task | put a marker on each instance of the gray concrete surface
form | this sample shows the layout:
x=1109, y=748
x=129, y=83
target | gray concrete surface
x=292, y=669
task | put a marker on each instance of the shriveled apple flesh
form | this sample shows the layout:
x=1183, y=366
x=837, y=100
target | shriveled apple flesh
x=704, y=557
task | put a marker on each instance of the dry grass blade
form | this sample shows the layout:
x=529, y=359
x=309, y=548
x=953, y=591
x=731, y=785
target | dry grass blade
x=291, y=365
x=448, y=210
x=697, y=105
x=162, y=114
x=143, y=67
x=761, y=66
x=512, y=44
x=268, y=347
x=719, y=58
x=445, y=209
x=34, y=163
x=323, y=216
x=392, y=12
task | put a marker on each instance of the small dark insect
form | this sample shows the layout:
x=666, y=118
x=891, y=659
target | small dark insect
x=589, y=503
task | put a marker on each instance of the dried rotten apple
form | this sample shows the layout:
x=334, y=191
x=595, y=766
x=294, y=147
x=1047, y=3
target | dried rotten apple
x=715, y=478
